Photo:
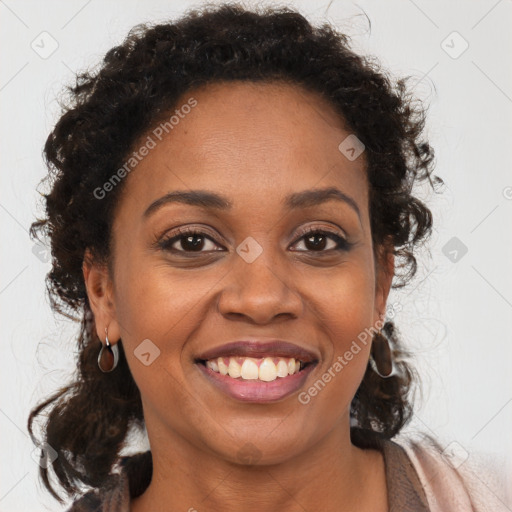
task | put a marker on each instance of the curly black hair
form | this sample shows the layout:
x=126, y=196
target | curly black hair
x=109, y=109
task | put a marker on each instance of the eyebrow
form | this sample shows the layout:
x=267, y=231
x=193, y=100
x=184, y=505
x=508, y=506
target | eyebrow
x=210, y=200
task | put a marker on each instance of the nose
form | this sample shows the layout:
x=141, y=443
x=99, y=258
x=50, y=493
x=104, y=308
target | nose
x=259, y=292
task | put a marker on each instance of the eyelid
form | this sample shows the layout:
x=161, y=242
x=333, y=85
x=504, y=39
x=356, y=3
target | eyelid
x=314, y=228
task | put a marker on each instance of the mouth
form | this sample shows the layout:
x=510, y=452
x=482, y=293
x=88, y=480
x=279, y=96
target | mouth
x=257, y=371
x=265, y=369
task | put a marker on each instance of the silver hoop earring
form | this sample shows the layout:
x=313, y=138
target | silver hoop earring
x=108, y=356
x=381, y=357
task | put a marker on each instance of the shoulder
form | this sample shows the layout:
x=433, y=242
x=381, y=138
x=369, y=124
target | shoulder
x=454, y=479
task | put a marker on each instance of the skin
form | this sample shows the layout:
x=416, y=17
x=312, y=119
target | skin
x=255, y=144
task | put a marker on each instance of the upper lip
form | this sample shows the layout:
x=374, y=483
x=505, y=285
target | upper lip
x=256, y=349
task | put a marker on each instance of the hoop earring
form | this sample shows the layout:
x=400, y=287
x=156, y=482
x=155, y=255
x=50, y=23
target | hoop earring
x=108, y=356
x=381, y=358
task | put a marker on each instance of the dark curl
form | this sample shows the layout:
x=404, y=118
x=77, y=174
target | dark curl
x=108, y=110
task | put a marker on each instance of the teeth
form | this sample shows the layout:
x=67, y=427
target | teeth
x=212, y=364
x=268, y=370
x=248, y=368
x=234, y=369
x=223, y=369
x=282, y=368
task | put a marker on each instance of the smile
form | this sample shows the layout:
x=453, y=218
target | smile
x=256, y=380
x=248, y=368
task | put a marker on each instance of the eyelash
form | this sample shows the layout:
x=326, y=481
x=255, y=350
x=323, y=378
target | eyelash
x=166, y=243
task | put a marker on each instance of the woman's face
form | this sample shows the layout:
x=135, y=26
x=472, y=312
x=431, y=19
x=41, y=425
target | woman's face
x=253, y=273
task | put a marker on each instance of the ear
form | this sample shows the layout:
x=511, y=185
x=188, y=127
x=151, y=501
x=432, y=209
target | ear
x=99, y=291
x=385, y=271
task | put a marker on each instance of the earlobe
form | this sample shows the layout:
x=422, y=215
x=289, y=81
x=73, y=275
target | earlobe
x=384, y=279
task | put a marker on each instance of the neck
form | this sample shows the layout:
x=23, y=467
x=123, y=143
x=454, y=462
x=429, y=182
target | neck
x=332, y=472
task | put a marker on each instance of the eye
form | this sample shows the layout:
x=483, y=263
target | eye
x=190, y=240
x=317, y=240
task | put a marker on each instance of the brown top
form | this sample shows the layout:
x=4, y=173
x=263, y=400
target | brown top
x=405, y=491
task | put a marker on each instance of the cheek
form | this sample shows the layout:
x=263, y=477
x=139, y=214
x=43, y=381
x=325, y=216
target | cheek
x=348, y=299
x=347, y=315
x=155, y=319
x=345, y=318
x=161, y=305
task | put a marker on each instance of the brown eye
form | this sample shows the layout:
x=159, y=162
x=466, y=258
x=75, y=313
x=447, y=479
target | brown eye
x=192, y=242
x=316, y=240
x=188, y=240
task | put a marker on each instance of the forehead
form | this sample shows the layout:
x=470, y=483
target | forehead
x=252, y=142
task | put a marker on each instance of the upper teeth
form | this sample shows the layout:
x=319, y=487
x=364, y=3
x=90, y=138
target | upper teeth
x=266, y=369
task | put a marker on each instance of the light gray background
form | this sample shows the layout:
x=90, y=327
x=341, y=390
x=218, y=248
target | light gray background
x=457, y=316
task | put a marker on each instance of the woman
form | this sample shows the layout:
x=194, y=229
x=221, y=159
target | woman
x=231, y=204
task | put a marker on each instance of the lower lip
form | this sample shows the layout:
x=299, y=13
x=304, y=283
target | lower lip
x=257, y=390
